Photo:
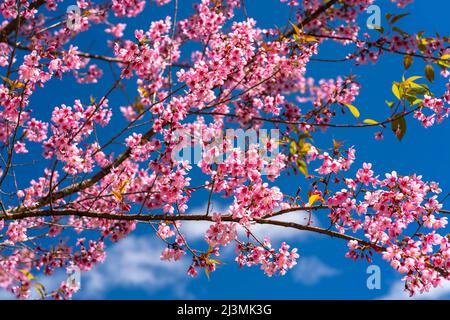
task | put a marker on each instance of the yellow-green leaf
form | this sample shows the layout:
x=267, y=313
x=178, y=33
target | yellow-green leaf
x=123, y=185
x=417, y=101
x=429, y=72
x=353, y=110
x=117, y=195
x=293, y=147
x=143, y=92
x=390, y=104
x=13, y=83
x=313, y=198
x=398, y=17
x=305, y=147
x=302, y=167
x=215, y=261
x=28, y=274
x=396, y=91
x=337, y=144
x=444, y=64
x=399, y=127
x=296, y=29
x=307, y=38
x=40, y=289
x=370, y=121
x=411, y=80
x=407, y=61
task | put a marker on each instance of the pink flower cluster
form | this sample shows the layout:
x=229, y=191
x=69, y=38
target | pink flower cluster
x=238, y=75
x=220, y=233
x=71, y=125
x=436, y=105
x=389, y=208
x=271, y=261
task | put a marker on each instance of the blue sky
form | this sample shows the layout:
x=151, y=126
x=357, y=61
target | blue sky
x=133, y=270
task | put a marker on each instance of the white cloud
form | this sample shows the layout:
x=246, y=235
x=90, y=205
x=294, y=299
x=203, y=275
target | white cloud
x=50, y=283
x=397, y=292
x=134, y=263
x=195, y=230
x=310, y=270
x=284, y=233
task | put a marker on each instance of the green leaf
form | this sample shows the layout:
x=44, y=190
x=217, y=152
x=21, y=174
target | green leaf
x=302, y=167
x=399, y=127
x=390, y=104
x=293, y=147
x=417, y=101
x=13, y=83
x=299, y=36
x=407, y=61
x=429, y=72
x=403, y=33
x=40, y=289
x=398, y=17
x=380, y=29
x=444, y=64
x=353, y=110
x=416, y=91
x=296, y=29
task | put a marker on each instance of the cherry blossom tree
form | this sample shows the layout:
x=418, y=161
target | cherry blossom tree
x=197, y=77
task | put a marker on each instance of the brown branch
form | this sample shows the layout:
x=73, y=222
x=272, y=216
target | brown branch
x=311, y=17
x=187, y=217
x=180, y=217
x=374, y=43
x=190, y=217
x=293, y=122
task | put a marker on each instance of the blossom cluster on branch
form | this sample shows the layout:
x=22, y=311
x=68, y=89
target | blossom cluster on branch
x=202, y=74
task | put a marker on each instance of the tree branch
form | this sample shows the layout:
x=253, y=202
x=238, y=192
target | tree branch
x=180, y=217
x=311, y=17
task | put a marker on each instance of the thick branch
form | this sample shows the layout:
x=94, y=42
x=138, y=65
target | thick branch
x=312, y=17
x=190, y=217
x=180, y=217
x=293, y=122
